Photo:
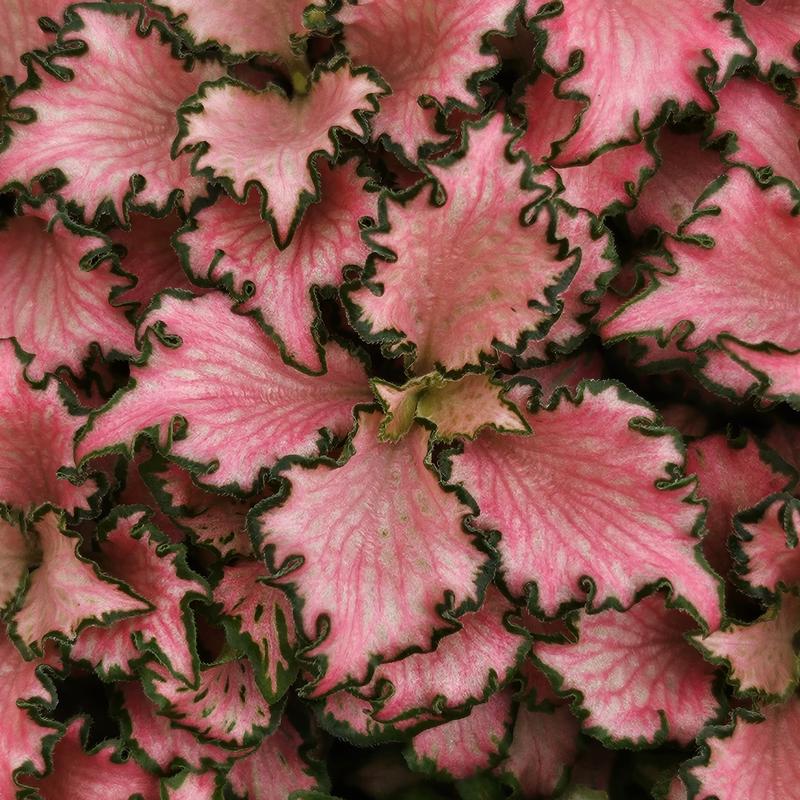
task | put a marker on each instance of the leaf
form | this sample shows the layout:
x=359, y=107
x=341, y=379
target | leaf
x=241, y=27
x=20, y=32
x=774, y=28
x=752, y=238
x=150, y=257
x=456, y=408
x=190, y=786
x=754, y=759
x=374, y=551
x=423, y=51
x=732, y=476
x=16, y=553
x=66, y=592
x=760, y=655
x=231, y=374
x=225, y=708
x=97, y=774
x=580, y=503
x=567, y=372
x=156, y=742
x=259, y=619
x=675, y=49
x=468, y=275
x=460, y=748
x=245, y=137
x=543, y=746
x=668, y=197
x=765, y=124
x=136, y=553
x=104, y=155
x=636, y=679
x=464, y=669
x=768, y=556
x=277, y=769
x=230, y=245
x=25, y=698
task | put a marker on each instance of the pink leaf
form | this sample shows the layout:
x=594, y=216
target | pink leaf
x=67, y=592
x=377, y=548
x=136, y=553
x=468, y=274
x=637, y=679
x=732, y=476
x=94, y=775
x=78, y=128
x=568, y=515
x=569, y=371
x=774, y=28
x=20, y=32
x=766, y=125
x=760, y=655
x=260, y=617
x=668, y=44
x=241, y=27
x=245, y=137
x=422, y=50
x=46, y=261
x=190, y=786
x=233, y=373
x=753, y=239
x=16, y=553
x=753, y=760
x=462, y=747
x=228, y=243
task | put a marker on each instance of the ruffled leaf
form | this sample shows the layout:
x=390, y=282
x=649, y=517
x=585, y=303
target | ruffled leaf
x=760, y=655
x=16, y=553
x=766, y=125
x=572, y=520
x=66, y=592
x=97, y=774
x=191, y=786
x=226, y=707
x=48, y=262
x=231, y=245
x=457, y=408
x=674, y=48
x=732, y=476
x=740, y=283
x=774, y=28
x=425, y=53
x=241, y=27
x=245, y=137
x=136, y=553
x=463, y=747
x=754, y=759
x=468, y=274
x=108, y=158
x=375, y=551
x=259, y=618
x=636, y=678
x=277, y=412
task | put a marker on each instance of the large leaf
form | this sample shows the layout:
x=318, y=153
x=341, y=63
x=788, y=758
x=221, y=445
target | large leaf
x=462, y=747
x=738, y=284
x=259, y=617
x=109, y=158
x=774, y=28
x=761, y=655
x=674, y=47
x=36, y=433
x=374, y=550
x=66, y=592
x=636, y=678
x=468, y=274
x=732, y=476
x=99, y=774
x=245, y=137
x=424, y=52
x=231, y=245
x=231, y=374
x=587, y=504
x=136, y=553
x=754, y=759
x=241, y=27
